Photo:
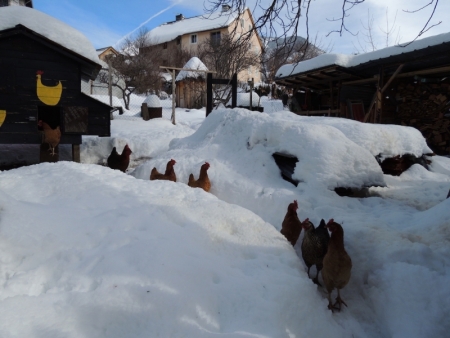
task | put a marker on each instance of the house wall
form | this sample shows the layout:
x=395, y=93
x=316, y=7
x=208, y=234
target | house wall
x=20, y=59
x=185, y=43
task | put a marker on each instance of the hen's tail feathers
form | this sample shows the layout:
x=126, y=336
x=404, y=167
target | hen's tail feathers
x=191, y=180
x=153, y=174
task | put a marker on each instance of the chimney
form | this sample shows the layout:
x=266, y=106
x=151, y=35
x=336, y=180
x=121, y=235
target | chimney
x=179, y=17
x=225, y=8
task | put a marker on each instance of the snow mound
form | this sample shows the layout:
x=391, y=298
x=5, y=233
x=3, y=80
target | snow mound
x=326, y=156
x=118, y=244
x=383, y=140
x=152, y=101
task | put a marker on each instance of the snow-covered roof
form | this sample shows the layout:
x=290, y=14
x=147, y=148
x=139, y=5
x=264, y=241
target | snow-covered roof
x=49, y=27
x=166, y=76
x=348, y=61
x=193, y=63
x=170, y=30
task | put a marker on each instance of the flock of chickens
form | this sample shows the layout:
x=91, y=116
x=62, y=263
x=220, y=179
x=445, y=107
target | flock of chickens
x=326, y=252
x=121, y=162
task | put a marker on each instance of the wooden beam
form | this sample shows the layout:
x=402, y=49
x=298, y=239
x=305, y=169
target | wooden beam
x=187, y=69
x=426, y=72
x=316, y=112
x=366, y=117
x=398, y=70
x=362, y=81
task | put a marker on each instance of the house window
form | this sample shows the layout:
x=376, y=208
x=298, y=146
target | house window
x=249, y=28
x=242, y=23
x=194, y=38
x=178, y=40
x=215, y=37
x=4, y=3
x=165, y=45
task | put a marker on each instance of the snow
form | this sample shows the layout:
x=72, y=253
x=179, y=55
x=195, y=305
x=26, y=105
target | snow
x=87, y=251
x=348, y=61
x=171, y=30
x=271, y=106
x=243, y=100
x=193, y=63
x=153, y=101
x=49, y=27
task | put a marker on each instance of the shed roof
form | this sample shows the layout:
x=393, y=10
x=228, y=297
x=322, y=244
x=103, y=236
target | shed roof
x=317, y=73
x=49, y=27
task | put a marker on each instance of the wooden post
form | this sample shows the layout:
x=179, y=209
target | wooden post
x=174, y=86
x=234, y=91
x=144, y=112
x=76, y=153
x=379, y=100
x=209, y=96
x=109, y=82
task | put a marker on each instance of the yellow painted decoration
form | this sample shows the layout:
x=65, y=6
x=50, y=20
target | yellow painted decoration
x=2, y=116
x=48, y=95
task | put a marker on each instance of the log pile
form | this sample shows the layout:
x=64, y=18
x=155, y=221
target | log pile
x=426, y=106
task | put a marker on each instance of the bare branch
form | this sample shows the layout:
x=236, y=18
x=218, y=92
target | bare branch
x=425, y=28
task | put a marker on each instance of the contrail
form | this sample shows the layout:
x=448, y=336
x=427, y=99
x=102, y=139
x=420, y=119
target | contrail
x=148, y=20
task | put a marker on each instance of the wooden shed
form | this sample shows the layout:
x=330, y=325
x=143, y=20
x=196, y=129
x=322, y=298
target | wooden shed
x=191, y=85
x=42, y=63
x=406, y=85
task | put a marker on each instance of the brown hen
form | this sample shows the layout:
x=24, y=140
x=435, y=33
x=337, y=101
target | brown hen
x=337, y=264
x=203, y=179
x=291, y=226
x=169, y=175
x=50, y=136
x=119, y=162
x=314, y=246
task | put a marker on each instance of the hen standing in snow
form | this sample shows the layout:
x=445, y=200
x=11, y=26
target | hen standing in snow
x=169, y=175
x=337, y=264
x=314, y=246
x=203, y=179
x=291, y=226
x=119, y=162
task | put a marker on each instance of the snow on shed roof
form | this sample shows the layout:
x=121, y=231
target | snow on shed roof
x=348, y=61
x=170, y=30
x=193, y=63
x=49, y=27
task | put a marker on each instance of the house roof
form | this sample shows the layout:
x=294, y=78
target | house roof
x=100, y=51
x=317, y=73
x=48, y=27
x=171, y=30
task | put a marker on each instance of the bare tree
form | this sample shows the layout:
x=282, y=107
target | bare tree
x=134, y=71
x=280, y=52
x=283, y=18
x=227, y=56
x=390, y=34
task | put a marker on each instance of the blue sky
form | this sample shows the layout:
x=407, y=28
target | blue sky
x=105, y=23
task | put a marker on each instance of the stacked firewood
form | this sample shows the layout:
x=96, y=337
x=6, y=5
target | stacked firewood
x=426, y=106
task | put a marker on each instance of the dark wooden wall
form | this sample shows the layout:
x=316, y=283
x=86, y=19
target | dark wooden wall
x=20, y=59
